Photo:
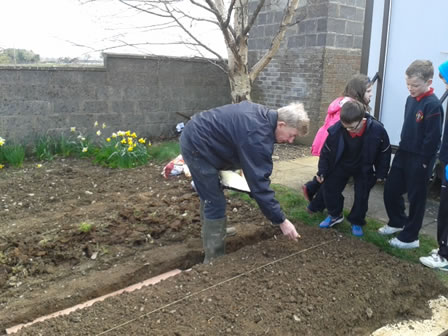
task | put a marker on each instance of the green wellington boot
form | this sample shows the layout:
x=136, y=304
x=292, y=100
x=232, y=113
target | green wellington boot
x=230, y=231
x=213, y=238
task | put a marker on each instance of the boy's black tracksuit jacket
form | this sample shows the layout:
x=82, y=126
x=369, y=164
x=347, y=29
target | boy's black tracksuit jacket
x=376, y=150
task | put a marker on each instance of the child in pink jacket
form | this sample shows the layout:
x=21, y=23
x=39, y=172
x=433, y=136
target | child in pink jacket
x=359, y=88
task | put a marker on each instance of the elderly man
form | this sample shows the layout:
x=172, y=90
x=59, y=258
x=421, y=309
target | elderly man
x=232, y=137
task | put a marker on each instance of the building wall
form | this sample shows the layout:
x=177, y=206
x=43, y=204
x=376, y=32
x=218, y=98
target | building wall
x=317, y=56
x=143, y=94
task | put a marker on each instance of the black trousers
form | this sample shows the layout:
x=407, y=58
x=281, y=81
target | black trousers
x=317, y=204
x=442, y=217
x=407, y=174
x=335, y=184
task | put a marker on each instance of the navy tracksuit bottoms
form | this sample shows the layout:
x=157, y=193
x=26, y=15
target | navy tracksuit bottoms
x=334, y=185
x=442, y=218
x=407, y=175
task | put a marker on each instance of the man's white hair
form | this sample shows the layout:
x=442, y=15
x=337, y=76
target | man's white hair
x=294, y=115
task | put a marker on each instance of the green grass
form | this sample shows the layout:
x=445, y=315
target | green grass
x=294, y=205
x=164, y=151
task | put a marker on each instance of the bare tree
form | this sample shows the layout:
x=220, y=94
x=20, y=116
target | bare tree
x=232, y=18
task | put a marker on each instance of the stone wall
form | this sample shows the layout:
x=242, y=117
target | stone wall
x=143, y=94
x=317, y=56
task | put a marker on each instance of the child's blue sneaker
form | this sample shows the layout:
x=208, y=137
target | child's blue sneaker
x=357, y=230
x=331, y=221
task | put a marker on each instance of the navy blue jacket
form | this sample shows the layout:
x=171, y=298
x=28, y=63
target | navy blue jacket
x=422, y=127
x=376, y=150
x=240, y=136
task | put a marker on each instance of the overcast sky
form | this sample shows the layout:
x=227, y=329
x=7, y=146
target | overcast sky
x=51, y=28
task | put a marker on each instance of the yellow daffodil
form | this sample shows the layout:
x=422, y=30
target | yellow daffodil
x=104, y=125
x=84, y=149
x=98, y=132
x=123, y=141
x=38, y=165
x=128, y=133
x=2, y=141
x=95, y=124
x=130, y=149
x=129, y=140
x=72, y=129
x=114, y=135
x=2, y=166
x=108, y=139
x=141, y=140
x=134, y=135
x=120, y=133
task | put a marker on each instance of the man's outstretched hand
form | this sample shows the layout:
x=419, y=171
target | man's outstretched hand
x=289, y=230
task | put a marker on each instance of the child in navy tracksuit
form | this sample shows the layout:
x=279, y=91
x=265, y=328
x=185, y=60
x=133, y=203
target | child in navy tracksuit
x=415, y=157
x=439, y=257
x=357, y=146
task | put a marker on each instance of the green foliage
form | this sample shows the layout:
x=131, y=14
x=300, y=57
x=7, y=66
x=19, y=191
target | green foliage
x=47, y=147
x=164, y=151
x=122, y=150
x=67, y=146
x=18, y=56
x=44, y=148
x=85, y=227
x=12, y=154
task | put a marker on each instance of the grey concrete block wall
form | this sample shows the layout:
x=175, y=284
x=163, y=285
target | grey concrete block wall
x=316, y=58
x=144, y=94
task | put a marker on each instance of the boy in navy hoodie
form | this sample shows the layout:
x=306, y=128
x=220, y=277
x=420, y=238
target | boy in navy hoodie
x=357, y=146
x=415, y=157
x=439, y=257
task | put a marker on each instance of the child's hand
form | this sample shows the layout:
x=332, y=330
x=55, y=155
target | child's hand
x=380, y=180
x=320, y=178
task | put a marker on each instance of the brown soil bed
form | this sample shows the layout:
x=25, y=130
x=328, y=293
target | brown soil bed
x=144, y=225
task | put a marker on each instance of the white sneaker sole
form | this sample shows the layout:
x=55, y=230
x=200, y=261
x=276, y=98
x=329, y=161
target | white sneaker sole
x=389, y=230
x=403, y=245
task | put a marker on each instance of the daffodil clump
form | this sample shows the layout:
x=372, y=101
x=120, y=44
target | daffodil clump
x=123, y=149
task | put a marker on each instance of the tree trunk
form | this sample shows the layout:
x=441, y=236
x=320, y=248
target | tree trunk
x=239, y=76
x=240, y=85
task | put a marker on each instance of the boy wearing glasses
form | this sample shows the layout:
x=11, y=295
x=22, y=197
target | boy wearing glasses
x=415, y=157
x=357, y=146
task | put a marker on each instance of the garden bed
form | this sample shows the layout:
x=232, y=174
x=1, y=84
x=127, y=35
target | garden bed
x=71, y=231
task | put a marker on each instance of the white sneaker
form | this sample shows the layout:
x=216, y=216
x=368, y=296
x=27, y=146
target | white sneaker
x=395, y=242
x=388, y=230
x=435, y=261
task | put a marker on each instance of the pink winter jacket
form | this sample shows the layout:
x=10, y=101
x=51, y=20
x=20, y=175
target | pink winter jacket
x=331, y=118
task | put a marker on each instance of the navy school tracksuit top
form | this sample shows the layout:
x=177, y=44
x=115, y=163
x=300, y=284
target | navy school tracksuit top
x=240, y=136
x=422, y=126
x=375, y=150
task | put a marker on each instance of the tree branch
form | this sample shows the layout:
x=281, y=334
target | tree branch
x=254, y=17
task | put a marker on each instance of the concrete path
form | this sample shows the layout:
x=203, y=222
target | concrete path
x=296, y=172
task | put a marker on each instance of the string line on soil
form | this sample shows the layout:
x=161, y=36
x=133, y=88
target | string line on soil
x=215, y=285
